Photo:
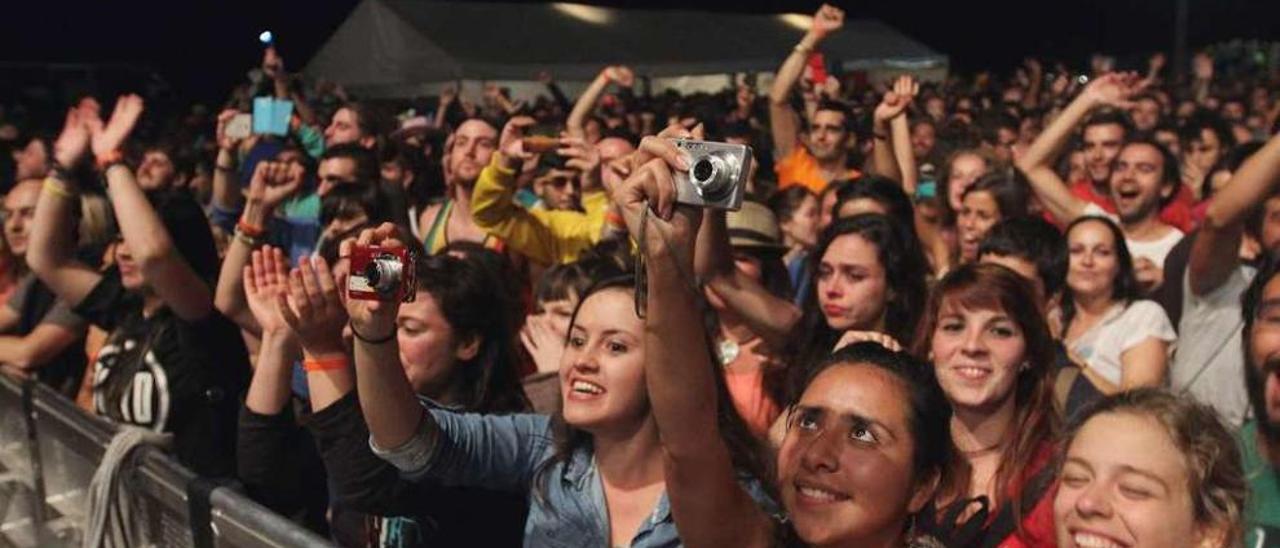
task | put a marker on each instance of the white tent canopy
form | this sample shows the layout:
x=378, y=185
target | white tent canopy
x=405, y=47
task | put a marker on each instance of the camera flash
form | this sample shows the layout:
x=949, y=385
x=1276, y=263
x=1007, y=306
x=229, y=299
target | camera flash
x=265, y=37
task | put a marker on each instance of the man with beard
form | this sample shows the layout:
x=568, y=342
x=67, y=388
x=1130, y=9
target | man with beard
x=823, y=157
x=1106, y=129
x=468, y=151
x=1209, y=358
x=1259, y=439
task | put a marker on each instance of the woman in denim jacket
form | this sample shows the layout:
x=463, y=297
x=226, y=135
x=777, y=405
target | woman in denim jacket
x=595, y=472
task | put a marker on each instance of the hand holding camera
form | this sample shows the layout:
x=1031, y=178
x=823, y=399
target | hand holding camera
x=372, y=303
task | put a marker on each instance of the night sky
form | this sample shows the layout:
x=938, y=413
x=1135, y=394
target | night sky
x=201, y=48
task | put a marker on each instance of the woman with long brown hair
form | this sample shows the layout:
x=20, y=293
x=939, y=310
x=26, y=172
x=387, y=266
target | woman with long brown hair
x=991, y=350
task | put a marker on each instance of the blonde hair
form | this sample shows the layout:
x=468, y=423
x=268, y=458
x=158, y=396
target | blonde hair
x=97, y=226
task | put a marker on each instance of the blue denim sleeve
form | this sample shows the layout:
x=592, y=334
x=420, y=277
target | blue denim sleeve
x=499, y=452
x=224, y=218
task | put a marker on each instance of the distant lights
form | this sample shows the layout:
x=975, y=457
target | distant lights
x=590, y=14
x=266, y=38
x=799, y=21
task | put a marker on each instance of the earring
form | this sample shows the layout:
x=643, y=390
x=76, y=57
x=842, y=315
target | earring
x=1026, y=366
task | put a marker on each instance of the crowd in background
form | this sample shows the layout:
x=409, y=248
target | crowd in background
x=1031, y=310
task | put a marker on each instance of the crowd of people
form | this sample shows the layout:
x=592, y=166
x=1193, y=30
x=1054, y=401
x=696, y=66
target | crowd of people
x=1038, y=311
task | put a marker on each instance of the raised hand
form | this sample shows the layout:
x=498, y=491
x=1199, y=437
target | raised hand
x=897, y=100
x=1156, y=62
x=1202, y=66
x=272, y=63
x=274, y=182
x=511, y=141
x=372, y=319
x=541, y=341
x=265, y=281
x=313, y=309
x=583, y=158
x=448, y=95
x=73, y=142
x=620, y=75
x=652, y=184
x=107, y=138
x=827, y=20
x=1115, y=89
x=226, y=142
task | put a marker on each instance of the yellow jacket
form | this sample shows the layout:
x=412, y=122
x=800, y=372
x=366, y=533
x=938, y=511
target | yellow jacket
x=545, y=237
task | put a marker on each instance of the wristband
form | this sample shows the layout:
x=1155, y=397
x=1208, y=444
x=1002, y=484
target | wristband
x=367, y=340
x=333, y=363
x=109, y=159
x=614, y=219
x=249, y=230
x=57, y=188
x=248, y=240
x=880, y=136
x=224, y=169
x=803, y=49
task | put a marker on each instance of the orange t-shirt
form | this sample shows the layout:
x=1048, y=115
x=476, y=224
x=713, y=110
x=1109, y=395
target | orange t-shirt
x=744, y=377
x=801, y=168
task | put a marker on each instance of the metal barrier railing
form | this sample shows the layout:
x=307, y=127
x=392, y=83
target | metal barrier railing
x=49, y=450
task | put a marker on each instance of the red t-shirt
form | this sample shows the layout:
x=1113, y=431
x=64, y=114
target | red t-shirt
x=1177, y=214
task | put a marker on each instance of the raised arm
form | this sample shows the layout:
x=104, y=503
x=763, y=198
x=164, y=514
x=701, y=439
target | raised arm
x=885, y=159
x=162, y=265
x=1035, y=81
x=390, y=406
x=1114, y=89
x=1146, y=364
x=1215, y=252
x=679, y=372
x=265, y=281
x=577, y=121
x=271, y=184
x=770, y=317
x=51, y=251
x=316, y=316
x=784, y=123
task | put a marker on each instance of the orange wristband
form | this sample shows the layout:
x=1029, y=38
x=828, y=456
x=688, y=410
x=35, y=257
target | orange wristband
x=332, y=363
x=249, y=230
x=615, y=219
x=109, y=159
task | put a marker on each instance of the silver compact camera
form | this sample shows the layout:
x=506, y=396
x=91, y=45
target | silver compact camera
x=717, y=176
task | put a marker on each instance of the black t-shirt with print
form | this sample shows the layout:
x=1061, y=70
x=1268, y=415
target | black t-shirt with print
x=169, y=375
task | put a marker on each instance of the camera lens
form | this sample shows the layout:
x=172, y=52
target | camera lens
x=703, y=170
x=383, y=274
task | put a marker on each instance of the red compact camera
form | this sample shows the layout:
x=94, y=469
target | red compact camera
x=381, y=274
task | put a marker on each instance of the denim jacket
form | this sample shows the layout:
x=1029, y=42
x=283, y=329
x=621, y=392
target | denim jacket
x=504, y=452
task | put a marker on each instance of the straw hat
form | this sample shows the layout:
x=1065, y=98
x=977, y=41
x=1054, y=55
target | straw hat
x=754, y=227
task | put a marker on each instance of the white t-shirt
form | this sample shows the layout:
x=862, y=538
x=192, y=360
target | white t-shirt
x=1123, y=327
x=1209, y=363
x=1155, y=250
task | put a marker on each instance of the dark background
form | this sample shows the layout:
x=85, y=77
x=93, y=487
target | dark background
x=201, y=48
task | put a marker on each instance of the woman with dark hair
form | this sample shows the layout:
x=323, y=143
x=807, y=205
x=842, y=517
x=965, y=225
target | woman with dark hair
x=457, y=352
x=1165, y=468
x=864, y=447
x=594, y=472
x=868, y=274
x=989, y=200
x=1105, y=324
x=993, y=354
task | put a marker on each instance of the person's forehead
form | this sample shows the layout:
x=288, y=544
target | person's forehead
x=474, y=129
x=23, y=194
x=861, y=390
x=1141, y=152
x=828, y=117
x=613, y=147
x=340, y=163
x=1107, y=130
